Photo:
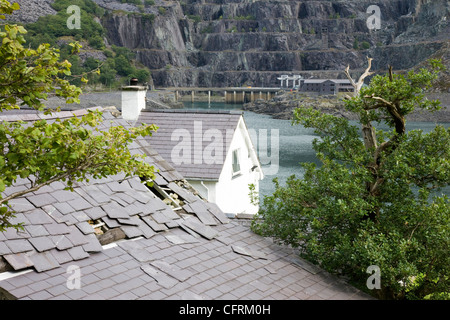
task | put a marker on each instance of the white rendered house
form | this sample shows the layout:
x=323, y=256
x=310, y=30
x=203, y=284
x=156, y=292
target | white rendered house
x=212, y=150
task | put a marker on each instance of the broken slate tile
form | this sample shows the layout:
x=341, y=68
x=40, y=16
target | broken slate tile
x=200, y=210
x=205, y=231
x=43, y=261
x=147, y=232
x=131, y=231
x=61, y=256
x=93, y=245
x=85, y=227
x=111, y=223
x=42, y=243
x=181, y=239
x=114, y=211
x=249, y=252
x=131, y=221
x=77, y=253
x=173, y=271
x=216, y=212
x=140, y=255
x=95, y=213
x=163, y=279
x=62, y=242
x=76, y=237
x=19, y=261
x=157, y=227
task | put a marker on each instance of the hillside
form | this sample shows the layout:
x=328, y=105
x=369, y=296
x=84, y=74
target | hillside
x=231, y=43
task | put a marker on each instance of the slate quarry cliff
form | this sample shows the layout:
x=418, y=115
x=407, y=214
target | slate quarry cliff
x=220, y=43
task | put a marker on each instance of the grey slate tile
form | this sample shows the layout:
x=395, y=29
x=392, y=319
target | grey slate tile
x=42, y=243
x=78, y=253
x=181, y=239
x=63, y=207
x=85, y=227
x=19, y=245
x=79, y=204
x=4, y=249
x=93, y=245
x=141, y=255
x=205, y=231
x=114, y=211
x=163, y=279
x=20, y=205
x=131, y=231
x=57, y=228
x=173, y=271
x=95, y=213
x=249, y=252
x=41, y=199
x=64, y=195
x=43, y=261
x=76, y=237
x=38, y=216
x=62, y=256
x=62, y=242
x=19, y=261
x=201, y=211
x=147, y=232
x=153, y=224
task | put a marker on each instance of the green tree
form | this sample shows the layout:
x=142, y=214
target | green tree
x=66, y=150
x=375, y=199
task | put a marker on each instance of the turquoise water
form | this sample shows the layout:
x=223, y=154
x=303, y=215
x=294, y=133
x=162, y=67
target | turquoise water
x=295, y=142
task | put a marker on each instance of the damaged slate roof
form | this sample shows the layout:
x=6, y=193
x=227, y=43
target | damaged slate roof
x=134, y=242
x=173, y=123
x=59, y=225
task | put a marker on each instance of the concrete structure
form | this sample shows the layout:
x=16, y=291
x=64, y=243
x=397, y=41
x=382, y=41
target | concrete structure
x=296, y=81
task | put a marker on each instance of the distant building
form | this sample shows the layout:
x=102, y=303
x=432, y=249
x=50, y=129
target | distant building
x=326, y=86
x=320, y=86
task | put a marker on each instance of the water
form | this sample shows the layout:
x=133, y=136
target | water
x=295, y=142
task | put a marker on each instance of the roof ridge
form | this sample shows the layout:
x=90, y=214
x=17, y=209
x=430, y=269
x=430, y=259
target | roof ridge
x=195, y=111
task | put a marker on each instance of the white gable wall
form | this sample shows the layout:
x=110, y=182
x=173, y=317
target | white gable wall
x=232, y=191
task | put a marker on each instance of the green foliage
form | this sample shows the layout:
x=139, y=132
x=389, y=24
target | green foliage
x=49, y=29
x=68, y=150
x=55, y=26
x=379, y=205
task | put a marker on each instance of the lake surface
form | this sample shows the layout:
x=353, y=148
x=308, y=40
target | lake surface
x=295, y=142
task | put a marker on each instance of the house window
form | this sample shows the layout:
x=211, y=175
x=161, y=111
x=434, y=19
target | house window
x=236, y=164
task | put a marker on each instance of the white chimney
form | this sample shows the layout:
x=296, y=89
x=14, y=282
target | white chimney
x=133, y=101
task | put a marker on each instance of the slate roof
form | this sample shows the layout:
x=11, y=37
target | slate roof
x=191, y=252
x=166, y=138
x=58, y=224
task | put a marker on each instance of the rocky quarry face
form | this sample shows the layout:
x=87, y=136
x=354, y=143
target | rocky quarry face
x=222, y=43
x=225, y=43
